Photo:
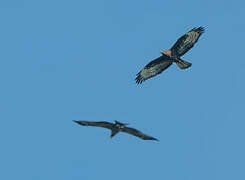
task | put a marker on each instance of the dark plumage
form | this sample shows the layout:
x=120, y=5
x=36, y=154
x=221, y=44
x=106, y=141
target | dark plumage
x=186, y=42
x=116, y=128
x=183, y=44
x=154, y=68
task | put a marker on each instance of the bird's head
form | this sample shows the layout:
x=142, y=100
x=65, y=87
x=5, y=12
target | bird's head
x=120, y=125
x=168, y=52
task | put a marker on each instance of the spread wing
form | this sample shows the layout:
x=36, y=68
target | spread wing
x=154, y=68
x=186, y=42
x=137, y=133
x=103, y=124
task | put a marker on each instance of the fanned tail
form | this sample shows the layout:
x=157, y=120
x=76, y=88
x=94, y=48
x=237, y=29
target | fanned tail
x=114, y=132
x=183, y=64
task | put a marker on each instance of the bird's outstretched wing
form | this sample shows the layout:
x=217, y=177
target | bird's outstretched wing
x=103, y=124
x=154, y=68
x=137, y=133
x=186, y=42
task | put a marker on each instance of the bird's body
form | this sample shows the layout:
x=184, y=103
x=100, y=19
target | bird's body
x=158, y=65
x=116, y=128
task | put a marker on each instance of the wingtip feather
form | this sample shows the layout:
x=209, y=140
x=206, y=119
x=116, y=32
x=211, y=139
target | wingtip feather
x=200, y=29
x=79, y=122
x=139, y=79
x=155, y=139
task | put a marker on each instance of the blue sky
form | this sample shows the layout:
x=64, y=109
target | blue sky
x=65, y=60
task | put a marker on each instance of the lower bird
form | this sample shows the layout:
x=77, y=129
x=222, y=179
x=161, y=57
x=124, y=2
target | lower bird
x=158, y=65
x=116, y=128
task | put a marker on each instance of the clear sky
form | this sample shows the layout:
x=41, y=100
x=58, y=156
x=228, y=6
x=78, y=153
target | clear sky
x=64, y=60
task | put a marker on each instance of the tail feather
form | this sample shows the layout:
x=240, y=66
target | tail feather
x=114, y=132
x=183, y=64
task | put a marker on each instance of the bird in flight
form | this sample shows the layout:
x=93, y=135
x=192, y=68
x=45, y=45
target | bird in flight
x=116, y=128
x=182, y=45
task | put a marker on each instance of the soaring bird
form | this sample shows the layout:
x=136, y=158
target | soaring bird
x=158, y=65
x=116, y=128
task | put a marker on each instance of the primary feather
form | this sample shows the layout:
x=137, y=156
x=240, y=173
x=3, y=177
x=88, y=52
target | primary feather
x=103, y=124
x=186, y=42
x=154, y=68
x=138, y=133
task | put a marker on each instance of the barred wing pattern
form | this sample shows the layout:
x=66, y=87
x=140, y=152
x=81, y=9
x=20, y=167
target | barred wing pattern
x=154, y=68
x=186, y=42
x=138, y=133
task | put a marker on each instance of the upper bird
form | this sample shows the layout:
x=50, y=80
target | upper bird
x=116, y=128
x=158, y=65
